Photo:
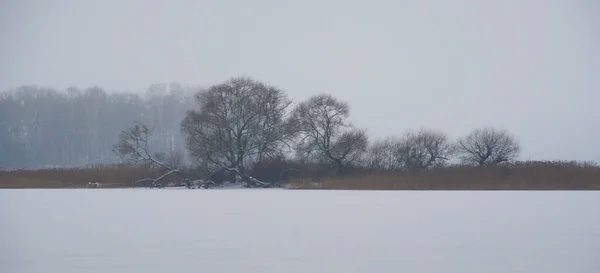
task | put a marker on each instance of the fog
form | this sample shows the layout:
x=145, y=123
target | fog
x=530, y=67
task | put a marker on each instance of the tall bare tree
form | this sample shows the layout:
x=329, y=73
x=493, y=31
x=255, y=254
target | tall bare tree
x=237, y=123
x=488, y=146
x=326, y=134
x=425, y=149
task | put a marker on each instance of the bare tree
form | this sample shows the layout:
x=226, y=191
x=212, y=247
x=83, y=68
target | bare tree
x=325, y=133
x=425, y=149
x=238, y=123
x=385, y=155
x=415, y=151
x=488, y=146
x=133, y=146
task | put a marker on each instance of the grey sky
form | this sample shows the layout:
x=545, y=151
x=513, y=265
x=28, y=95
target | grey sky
x=528, y=66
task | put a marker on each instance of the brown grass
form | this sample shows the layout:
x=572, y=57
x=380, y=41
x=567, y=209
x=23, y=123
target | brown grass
x=109, y=176
x=516, y=176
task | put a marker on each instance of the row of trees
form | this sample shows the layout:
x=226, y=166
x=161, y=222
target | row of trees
x=42, y=127
x=242, y=122
x=427, y=149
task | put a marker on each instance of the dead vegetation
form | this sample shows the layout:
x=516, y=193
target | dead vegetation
x=115, y=176
x=530, y=175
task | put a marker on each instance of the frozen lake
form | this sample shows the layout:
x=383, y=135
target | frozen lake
x=258, y=231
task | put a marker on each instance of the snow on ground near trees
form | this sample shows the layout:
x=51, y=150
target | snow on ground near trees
x=275, y=230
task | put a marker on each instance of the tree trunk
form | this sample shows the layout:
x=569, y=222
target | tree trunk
x=339, y=167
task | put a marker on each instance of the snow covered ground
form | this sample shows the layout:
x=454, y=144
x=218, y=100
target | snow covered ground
x=275, y=230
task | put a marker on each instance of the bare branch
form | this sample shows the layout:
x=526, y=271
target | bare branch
x=488, y=146
x=133, y=145
x=325, y=133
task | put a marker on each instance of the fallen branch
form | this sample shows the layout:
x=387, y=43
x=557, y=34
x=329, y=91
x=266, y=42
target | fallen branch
x=265, y=184
x=163, y=176
x=250, y=178
x=133, y=144
x=206, y=183
x=154, y=181
x=143, y=180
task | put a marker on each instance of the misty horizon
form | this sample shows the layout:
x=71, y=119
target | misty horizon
x=452, y=66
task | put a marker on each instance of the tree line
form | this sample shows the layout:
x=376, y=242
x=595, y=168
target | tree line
x=242, y=123
x=42, y=127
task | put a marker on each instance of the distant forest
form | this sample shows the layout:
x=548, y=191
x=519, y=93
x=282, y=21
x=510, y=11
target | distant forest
x=42, y=127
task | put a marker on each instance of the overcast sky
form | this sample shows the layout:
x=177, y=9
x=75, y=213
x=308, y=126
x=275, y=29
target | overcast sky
x=532, y=67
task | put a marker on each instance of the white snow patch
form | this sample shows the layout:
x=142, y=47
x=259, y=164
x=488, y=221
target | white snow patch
x=266, y=230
